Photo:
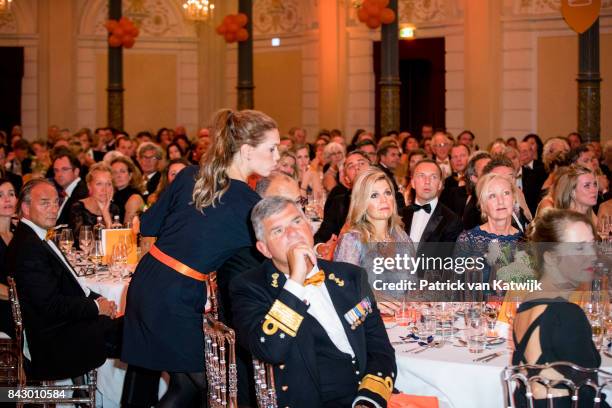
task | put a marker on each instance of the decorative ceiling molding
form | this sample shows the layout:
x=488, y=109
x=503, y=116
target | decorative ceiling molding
x=154, y=18
x=539, y=7
x=8, y=23
x=275, y=17
x=428, y=11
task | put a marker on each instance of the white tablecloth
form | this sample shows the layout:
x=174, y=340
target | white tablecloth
x=112, y=372
x=450, y=374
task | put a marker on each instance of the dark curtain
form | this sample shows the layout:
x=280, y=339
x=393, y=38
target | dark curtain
x=11, y=76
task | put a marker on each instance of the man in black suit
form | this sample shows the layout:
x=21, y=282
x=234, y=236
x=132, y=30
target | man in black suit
x=336, y=209
x=69, y=328
x=454, y=194
x=149, y=155
x=66, y=172
x=319, y=328
x=431, y=225
x=389, y=157
x=532, y=176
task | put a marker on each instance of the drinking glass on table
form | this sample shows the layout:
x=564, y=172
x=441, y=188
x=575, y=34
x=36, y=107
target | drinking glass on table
x=96, y=254
x=475, y=332
x=85, y=239
x=66, y=241
x=119, y=259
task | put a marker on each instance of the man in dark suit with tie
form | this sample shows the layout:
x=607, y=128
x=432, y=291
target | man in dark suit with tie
x=319, y=328
x=66, y=172
x=533, y=176
x=336, y=209
x=69, y=328
x=389, y=157
x=454, y=194
x=431, y=225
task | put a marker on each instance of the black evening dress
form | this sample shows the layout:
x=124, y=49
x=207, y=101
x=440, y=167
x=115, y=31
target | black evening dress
x=565, y=335
x=163, y=317
x=81, y=216
x=121, y=197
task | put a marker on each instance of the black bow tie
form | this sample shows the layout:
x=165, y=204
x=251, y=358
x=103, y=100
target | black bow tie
x=426, y=208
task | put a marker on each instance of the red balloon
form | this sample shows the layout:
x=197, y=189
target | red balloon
x=119, y=31
x=232, y=28
x=221, y=29
x=111, y=25
x=362, y=14
x=242, y=19
x=232, y=19
x=230, y=37
x=135, y=32
x=373, y=22
x=387, y=16
x=242, y=35
x=128, y=42
x=114, y=41
x=383, y=3
x=372, y=9
x=226, y=19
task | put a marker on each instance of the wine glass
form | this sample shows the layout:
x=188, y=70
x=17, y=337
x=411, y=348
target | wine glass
x=66, y=241
x=96, y=254
x=85, y=239
x=604, y=227
x=119, y=258
x=511, y=308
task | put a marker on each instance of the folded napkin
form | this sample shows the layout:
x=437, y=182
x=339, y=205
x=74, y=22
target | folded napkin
x=402, y=400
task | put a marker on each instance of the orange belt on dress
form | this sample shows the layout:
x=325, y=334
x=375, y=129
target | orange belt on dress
x=177, y=265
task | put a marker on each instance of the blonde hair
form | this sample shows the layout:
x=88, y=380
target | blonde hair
x=136, y=176
x=565, y=186
x=290, y=154
x=231, y=130
x=98, y=168
x=482, y=188
x=357, y=218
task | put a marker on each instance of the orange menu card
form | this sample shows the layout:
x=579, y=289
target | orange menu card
x=111, y=236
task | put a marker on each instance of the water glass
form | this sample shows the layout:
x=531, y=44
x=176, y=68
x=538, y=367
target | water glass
x=476, y=336
x=119, y=259
x=85, y=239
x=429, y=323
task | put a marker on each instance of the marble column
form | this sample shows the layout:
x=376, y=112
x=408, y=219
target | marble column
x=389, y=79
x=115, y=74
x=245, y=61
x=589, y=84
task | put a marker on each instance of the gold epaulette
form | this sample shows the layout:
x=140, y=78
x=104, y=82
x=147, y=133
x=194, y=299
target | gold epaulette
x=281, y=316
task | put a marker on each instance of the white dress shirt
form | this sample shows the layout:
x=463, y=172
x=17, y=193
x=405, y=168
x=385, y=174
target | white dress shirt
x=68, y=191
x=420, y=219
x=42, y=234
x=519, y=179
x=320, y=305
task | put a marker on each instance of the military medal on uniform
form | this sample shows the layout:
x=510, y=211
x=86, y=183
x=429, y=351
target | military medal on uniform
x=357, y=314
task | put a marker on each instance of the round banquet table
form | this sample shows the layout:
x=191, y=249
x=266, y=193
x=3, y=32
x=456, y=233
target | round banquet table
x=450, y=374
x=112, y=372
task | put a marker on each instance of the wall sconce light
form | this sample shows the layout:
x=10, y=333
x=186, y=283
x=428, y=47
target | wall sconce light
x=276, y=42
x=407, y=32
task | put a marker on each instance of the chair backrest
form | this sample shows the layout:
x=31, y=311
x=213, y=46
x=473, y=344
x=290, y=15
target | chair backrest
x=265, y=391
x=523, y=381
x=18, y=322
x=220, y=358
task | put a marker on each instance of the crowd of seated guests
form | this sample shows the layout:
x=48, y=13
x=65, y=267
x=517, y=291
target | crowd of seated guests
x=400, y=188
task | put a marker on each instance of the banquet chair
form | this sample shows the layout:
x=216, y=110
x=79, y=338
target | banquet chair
x=220, y=359
x=265, y=390
x=11, y=358
x=527, y=380
x=21, y=381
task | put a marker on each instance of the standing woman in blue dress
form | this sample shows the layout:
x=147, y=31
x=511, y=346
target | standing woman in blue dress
x=200, y=221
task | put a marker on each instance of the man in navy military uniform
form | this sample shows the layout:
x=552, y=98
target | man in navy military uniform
x=320, y=328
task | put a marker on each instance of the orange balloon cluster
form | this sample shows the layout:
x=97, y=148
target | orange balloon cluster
x=233, y=28
x=375, y=12
x=122, y=32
